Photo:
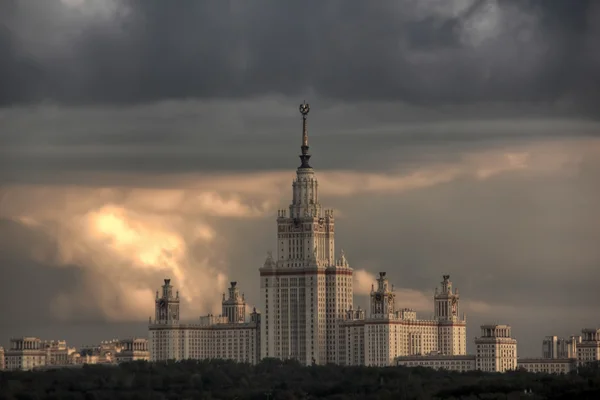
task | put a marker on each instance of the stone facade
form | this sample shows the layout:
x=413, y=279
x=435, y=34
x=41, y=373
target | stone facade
x=134, y=349
x=439, y=361
x=227, y=336
x=496, y=350
x=589, y=348
x=25, y=354
x=386, y=333
x=558, y=347
x=548, y=365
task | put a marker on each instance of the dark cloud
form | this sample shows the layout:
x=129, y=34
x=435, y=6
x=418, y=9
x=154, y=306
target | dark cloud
x=419, y=52
x=26, y=294
x=50, y=144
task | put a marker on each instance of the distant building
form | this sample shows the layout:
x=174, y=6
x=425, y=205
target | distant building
x=227, y=336
x=548, y=365
x=104, y=353
x=567, y=348
x=550, y=347
x=589, y=348
x=559, y=356
x=496, y=350
x=388, y=333
x=135, y=349
x=25, y=354
x=2, y=360
x=556, y=347
x=461, y=363
x=57, y=352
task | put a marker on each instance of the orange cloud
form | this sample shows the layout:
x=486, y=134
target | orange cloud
x=124, y=238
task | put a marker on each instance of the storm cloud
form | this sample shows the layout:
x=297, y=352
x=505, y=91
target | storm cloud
x=430, y=52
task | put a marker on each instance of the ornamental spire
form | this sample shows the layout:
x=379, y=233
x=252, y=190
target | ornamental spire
x=304, y=157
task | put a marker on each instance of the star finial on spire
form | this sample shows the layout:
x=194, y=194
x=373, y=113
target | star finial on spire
x=304, y=110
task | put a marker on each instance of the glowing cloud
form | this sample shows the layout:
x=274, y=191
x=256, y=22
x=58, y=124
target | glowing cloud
x=125, y=241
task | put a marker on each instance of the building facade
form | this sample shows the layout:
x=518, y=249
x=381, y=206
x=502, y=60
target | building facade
x=496, y=350
x=103, y=353
x=2, y=360
x=25, y=354
x=557, y=347
x=305, y=290
x=386, y=333
x=547, y=365
x=57, y=352
x=227, y=336
x=134, y=349
x=589, y=348
x=439, y=361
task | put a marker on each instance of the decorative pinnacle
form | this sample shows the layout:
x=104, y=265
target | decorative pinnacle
x=304, y=109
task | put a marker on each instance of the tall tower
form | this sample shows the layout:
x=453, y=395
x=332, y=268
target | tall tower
x=234, y=307
x=383, y=300
x=382, y=332
x=305, y=290
x=167, y=306
x=446, y=302
x=452, y=330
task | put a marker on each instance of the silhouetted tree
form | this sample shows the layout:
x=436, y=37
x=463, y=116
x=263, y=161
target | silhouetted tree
x=288, y=380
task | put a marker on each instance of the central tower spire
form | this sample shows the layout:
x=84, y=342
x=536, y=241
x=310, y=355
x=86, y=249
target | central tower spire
x=304, y=157
x=304, y=288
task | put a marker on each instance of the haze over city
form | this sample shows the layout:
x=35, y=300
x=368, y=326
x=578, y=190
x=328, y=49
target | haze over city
x=148, y=139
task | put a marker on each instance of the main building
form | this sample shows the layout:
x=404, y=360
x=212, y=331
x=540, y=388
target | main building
x=308, y=312
x=307, y=294
x=305, y=290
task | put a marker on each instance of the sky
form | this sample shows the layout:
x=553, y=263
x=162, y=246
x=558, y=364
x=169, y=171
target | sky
x=145, y=139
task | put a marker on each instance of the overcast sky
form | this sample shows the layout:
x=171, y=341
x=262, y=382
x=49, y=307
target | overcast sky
x=144, y=139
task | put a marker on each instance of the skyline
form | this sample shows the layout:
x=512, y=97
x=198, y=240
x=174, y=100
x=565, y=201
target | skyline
x=106, y=191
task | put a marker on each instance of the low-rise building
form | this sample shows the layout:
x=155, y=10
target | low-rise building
x=496, y=351
x=57, y=352
x=548, y=365
x=589, y=349
x=134, y=349
x=461, y=363
x=25, y=354
x=558, y=347
x=103, y=353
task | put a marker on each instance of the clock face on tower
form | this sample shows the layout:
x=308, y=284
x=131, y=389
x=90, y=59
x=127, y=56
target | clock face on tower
x=378, y=296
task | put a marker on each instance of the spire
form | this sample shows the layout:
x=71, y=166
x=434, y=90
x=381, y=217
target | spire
x=304, y=109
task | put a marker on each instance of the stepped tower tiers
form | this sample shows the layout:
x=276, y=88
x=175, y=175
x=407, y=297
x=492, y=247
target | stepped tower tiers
x=234, y=307
x=383, y=300
x=453, y=329
x=166, y=306
x=305, y=290
x=446, y=302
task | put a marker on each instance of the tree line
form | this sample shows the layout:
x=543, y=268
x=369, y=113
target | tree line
x=288, y=380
